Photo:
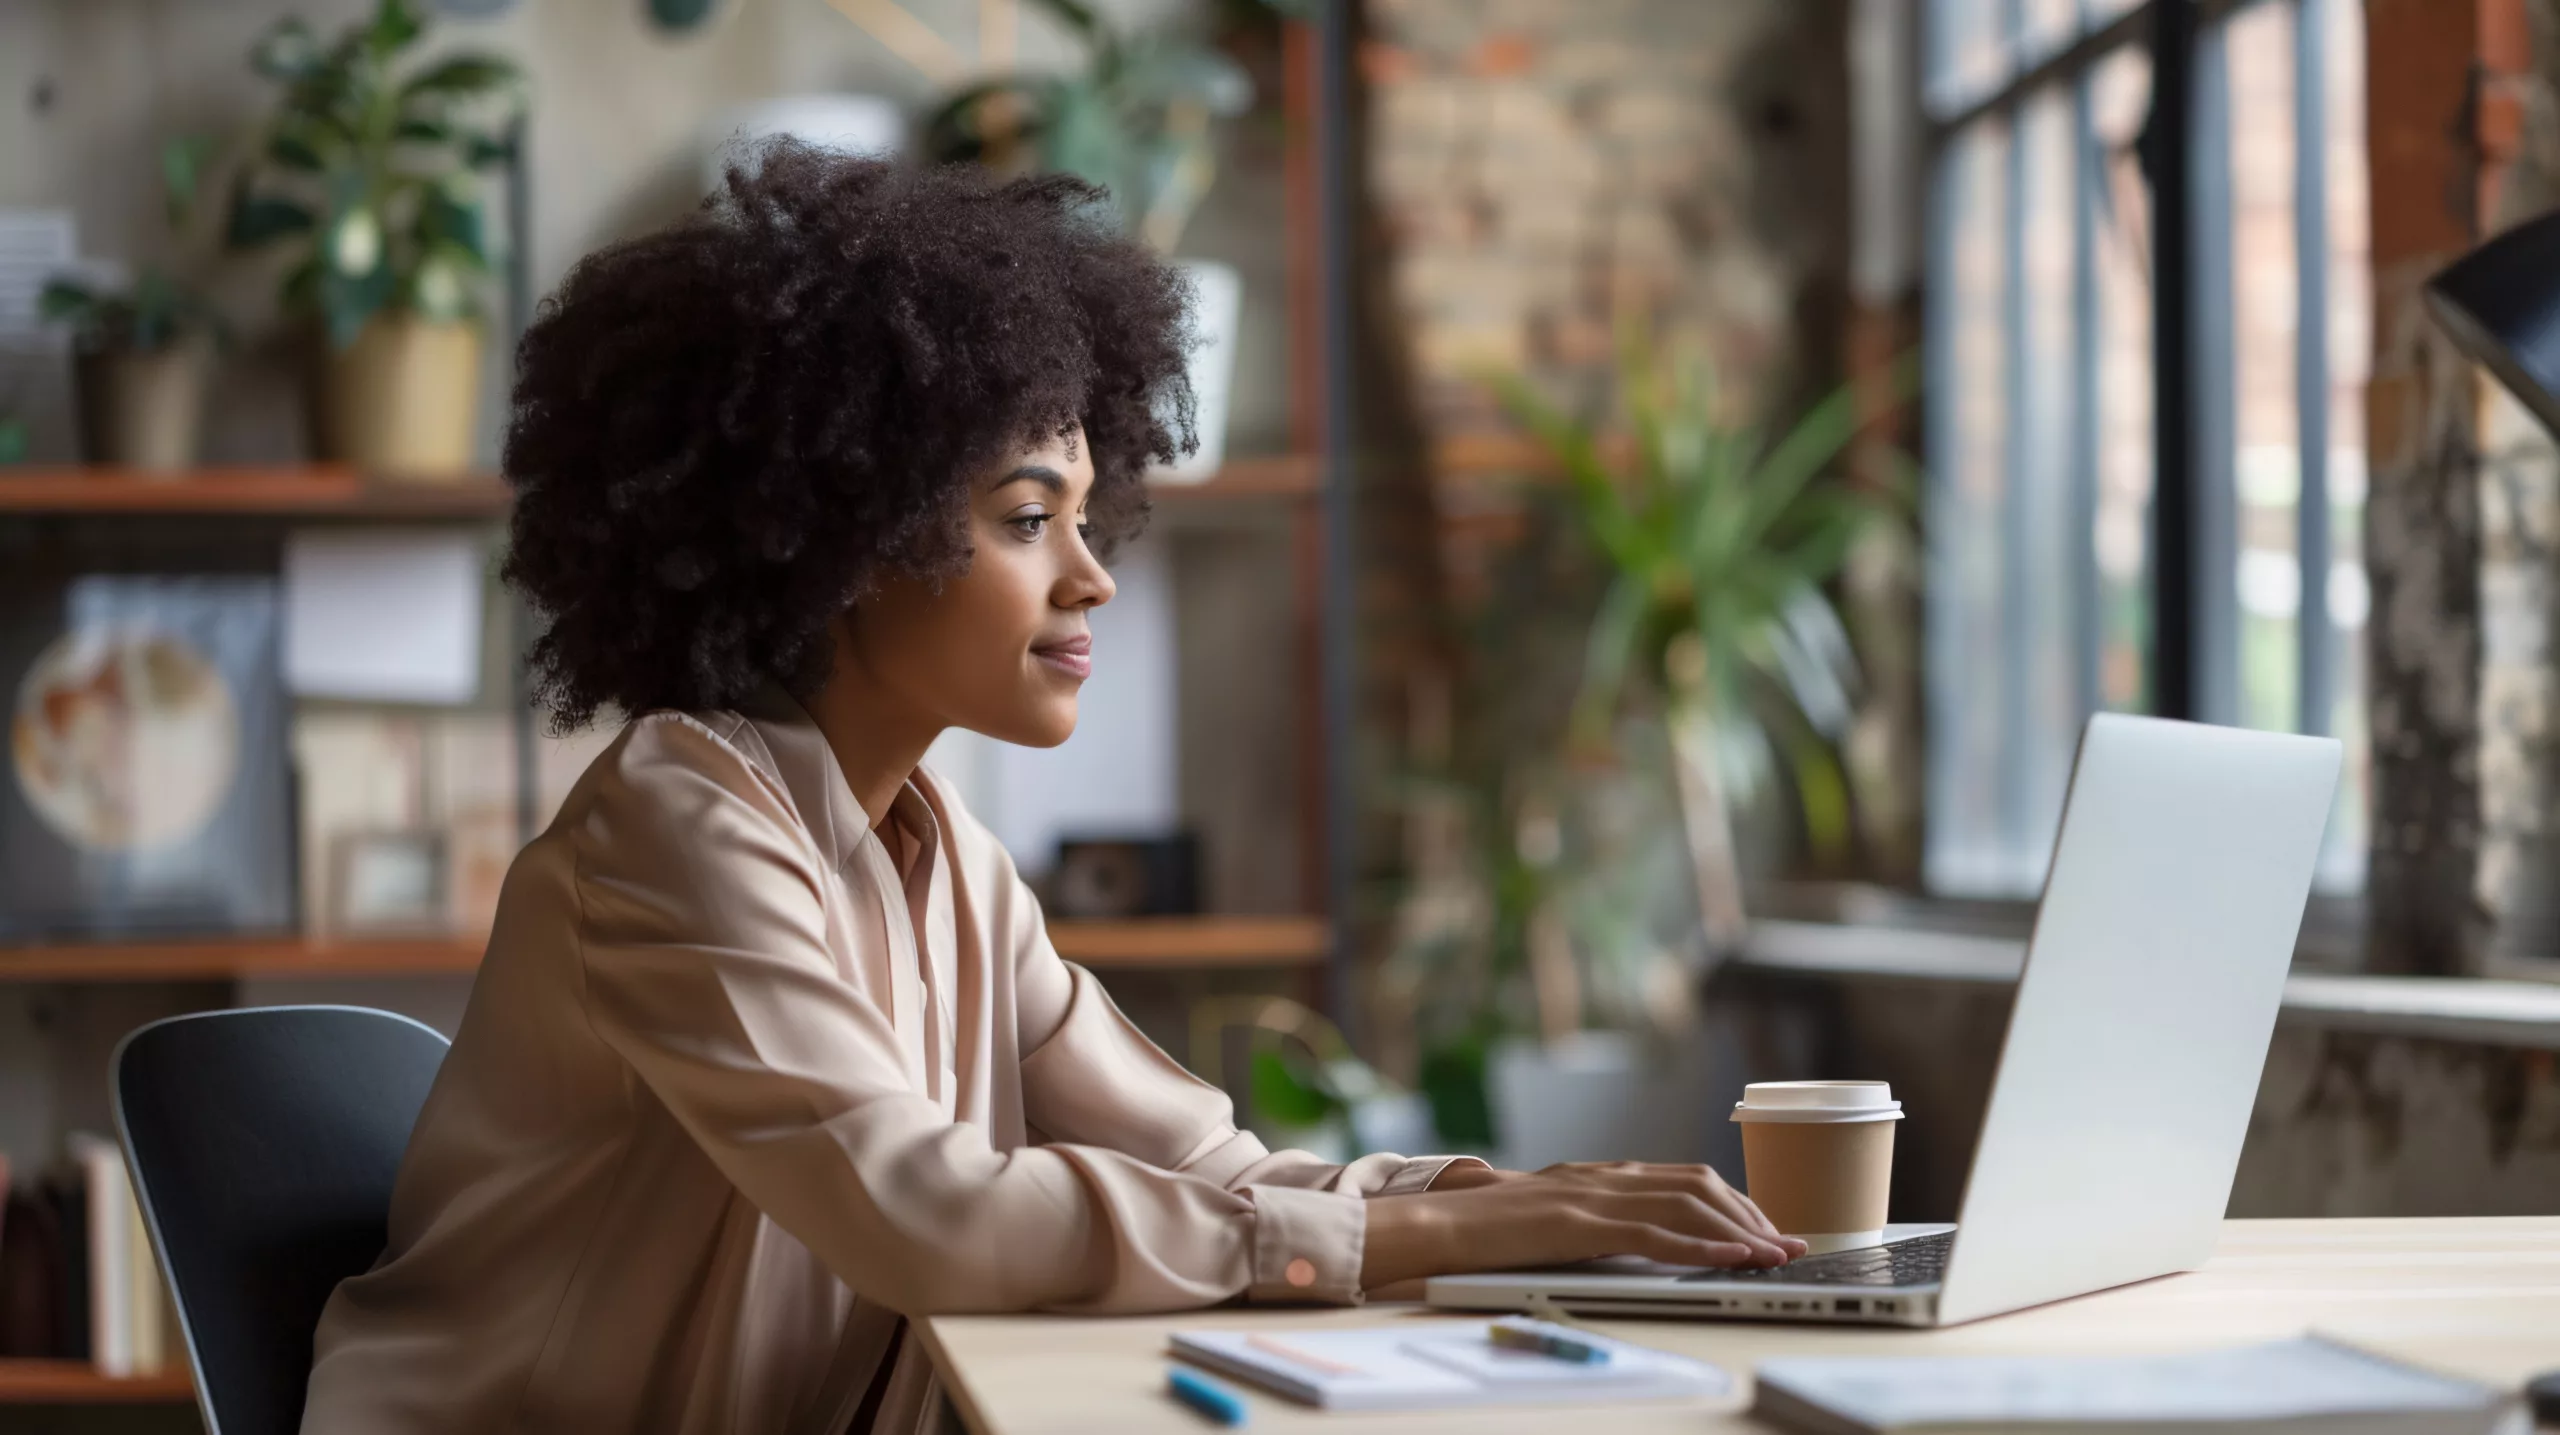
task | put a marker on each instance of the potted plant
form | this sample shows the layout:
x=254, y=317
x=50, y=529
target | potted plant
x=1719, y=540
x=370, y=173
x=1571, y=858
x=145, y=347
x=1136, y=120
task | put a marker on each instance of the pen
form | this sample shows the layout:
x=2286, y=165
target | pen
x=1207, y=1396
x=1546, y=1340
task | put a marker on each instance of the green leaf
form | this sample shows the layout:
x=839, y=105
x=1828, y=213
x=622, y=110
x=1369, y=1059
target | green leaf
x=67, y=301
x=457, y=77
x=300, y=291
x=1452, y=1079
x=255, y=220
x=395, y=27
x=294, y=151
x=422, y=131
x=1077, y=16
x=182, y=163
x=1822, y=792
x=1609, y=649
x=1589, y=484
x=1281, y=1097
x=481, y=151
x=444, y=220
x=1806, y=450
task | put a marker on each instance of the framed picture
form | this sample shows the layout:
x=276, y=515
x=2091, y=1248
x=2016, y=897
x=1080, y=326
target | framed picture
x=146, y=787
x=387, y=882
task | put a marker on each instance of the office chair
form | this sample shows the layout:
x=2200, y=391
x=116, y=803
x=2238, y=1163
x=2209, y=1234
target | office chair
x=263, y=1144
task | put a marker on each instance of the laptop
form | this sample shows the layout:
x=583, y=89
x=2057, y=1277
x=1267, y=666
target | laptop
x=2132, y=1058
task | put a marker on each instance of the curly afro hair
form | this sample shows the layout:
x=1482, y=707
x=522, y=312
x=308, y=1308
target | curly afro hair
x=726, y=432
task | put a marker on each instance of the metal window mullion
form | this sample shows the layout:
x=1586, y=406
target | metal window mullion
x=2167, y=160
x=2212, y=442
x=2017, y=507
x=2088, y=599
x=2318, y=643
x=1943, y=615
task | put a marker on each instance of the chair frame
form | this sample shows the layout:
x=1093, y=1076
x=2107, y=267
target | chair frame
x=142, y=1187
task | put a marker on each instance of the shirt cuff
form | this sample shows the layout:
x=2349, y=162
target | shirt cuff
x=1418, y=1172
x=1307, y=1246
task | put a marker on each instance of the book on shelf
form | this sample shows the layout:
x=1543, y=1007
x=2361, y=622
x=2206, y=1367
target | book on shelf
x=130, y=1316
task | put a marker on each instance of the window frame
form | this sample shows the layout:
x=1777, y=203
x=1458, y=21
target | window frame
x=2192, y=590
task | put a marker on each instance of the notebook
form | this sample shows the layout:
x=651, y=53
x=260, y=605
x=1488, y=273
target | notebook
x=1433, y=1365
x=2310, y=1384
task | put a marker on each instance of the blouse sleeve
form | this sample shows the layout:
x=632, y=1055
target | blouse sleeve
x=705, y=959
x=1090, y=1076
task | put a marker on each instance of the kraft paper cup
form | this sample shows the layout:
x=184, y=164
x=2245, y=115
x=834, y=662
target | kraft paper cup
x=1817, y=1158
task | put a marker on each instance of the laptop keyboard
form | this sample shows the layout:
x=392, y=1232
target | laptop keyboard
x=1916, y=1262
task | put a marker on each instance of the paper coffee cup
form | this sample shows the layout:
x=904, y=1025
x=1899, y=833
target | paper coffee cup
x=1817, y=1158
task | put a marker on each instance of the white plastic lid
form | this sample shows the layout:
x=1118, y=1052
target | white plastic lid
x=1817, y=1101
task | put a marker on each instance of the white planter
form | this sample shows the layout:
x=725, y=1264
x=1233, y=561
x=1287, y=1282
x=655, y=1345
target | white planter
x=1219, y=294
x=1597, y=1096
x=850, y=124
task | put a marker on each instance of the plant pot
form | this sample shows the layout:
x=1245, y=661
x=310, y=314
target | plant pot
x=145, y=409
x=403, y=400
x=1212, y=367
x=1597, y=1096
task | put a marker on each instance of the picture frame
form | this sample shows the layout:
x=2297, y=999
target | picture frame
x=386, y=883
x=146, y=788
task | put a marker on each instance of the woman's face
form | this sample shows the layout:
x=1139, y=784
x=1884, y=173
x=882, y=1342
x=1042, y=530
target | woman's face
x=1003, y=648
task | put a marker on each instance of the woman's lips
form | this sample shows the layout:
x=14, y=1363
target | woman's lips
x=1073, y=658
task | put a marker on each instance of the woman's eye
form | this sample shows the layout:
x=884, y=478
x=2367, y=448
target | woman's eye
x=1085, y=532
x=1030, y=525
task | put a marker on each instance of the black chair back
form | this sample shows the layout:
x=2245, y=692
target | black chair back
x=263, y=1144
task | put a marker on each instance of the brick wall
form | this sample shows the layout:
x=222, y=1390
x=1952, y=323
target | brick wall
x=1538, y=171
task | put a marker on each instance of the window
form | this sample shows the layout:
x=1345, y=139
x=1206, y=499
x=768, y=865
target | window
x=2048, y=596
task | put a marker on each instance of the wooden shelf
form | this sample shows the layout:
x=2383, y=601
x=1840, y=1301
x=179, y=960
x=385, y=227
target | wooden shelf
x=76, y=1382
x=226, y=958
x=1194, y=943
x=1279, y=475
x=318, y=490
x=1187, y=943
x=326, y=490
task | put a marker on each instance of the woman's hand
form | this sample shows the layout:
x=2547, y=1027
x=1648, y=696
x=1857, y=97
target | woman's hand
x=1474, y=1219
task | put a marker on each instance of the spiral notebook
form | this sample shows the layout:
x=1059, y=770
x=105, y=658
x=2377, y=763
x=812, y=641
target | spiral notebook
x=1435, y=1365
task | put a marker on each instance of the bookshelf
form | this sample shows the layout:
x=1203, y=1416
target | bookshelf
x=76, y=1382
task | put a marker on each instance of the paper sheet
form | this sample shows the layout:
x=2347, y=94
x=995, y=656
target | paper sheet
x=382, y=615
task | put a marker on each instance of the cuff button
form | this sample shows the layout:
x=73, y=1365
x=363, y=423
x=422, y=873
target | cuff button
x=1300, y=1273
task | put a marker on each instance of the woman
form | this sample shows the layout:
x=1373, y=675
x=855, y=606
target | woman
x=770, y=1050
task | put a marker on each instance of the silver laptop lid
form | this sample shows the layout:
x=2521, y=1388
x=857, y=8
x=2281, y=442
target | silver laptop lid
x=2142, y=1019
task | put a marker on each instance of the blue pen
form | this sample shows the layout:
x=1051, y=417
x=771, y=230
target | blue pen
x=1546, y=1340
x=1207, y=1396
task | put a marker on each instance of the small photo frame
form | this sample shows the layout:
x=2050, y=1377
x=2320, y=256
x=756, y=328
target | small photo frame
x=387, y=882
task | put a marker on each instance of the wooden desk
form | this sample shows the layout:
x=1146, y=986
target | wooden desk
x=2480, y=1297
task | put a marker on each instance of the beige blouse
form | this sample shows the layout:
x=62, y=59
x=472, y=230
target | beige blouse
x=740, y=1085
